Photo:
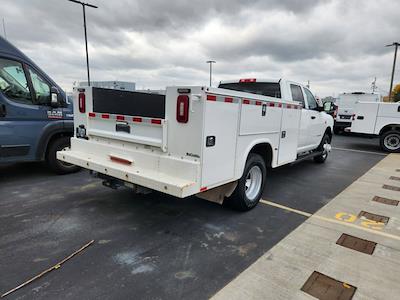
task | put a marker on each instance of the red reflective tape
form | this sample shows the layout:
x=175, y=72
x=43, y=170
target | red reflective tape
x=120, y=160
x=120, y=118
x=137, y=119
x=258, y=102
x=248, y=80
x=246, y=101
x=105, y=116
x=92, y=115
x=229, y=100
x=272, y=104
x=211, y=98
x=155, y=121
x=204, y=188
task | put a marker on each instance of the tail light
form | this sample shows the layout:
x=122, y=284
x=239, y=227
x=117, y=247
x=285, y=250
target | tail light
x=82, y=102
x=182, y=109
x=248, y=80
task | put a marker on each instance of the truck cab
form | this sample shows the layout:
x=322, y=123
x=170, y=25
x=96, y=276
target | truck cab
x=313, y=121
x=36, y=119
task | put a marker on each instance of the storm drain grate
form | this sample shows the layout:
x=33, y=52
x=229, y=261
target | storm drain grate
x=394, y=178
x=391, y=187
x=373, y=217
x=327, y=288
x=356, y=243
x=386, y=201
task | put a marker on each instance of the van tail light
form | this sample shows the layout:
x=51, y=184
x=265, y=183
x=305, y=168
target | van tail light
x=182, y=109
x=82, y=102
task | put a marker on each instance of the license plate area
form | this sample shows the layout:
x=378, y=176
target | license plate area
x=123, y=127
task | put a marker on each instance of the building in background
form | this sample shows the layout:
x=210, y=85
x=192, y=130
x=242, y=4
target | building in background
x=115, y=85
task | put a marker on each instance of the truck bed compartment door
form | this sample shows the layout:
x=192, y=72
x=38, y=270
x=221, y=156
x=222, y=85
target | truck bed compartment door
x=219, y=144
x=365, y=117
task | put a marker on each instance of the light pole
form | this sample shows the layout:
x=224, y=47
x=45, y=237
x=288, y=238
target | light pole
x=211, y=62
x=396, y=45
x=84, y=27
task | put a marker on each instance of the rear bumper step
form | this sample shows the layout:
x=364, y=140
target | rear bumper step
x=151, y=179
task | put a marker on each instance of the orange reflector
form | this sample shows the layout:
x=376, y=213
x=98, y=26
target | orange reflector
x=120, y=160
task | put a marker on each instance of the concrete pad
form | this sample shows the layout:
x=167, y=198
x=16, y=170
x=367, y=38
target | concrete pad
x=281, y=272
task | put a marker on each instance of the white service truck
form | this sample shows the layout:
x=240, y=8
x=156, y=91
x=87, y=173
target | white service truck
x=378, y=119
x=346, y=103
x=215, y=143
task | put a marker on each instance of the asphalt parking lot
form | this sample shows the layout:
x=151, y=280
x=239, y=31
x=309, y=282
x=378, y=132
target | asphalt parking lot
x=152, y=246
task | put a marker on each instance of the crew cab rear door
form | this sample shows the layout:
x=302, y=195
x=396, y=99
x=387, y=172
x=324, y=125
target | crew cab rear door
x=316, y=127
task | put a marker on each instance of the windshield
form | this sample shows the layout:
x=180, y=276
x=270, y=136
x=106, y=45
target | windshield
x=271, y=89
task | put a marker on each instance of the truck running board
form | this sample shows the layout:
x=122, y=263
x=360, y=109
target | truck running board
x=306, y=156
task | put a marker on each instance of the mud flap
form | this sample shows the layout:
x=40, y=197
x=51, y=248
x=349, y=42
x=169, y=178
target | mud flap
x=218, y=194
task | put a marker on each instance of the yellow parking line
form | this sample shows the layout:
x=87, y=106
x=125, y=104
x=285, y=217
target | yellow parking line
x=330, y=220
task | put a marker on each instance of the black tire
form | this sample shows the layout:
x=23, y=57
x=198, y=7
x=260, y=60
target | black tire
x=239, y=200
x=322, y=157
x=390, y=141
x=336, y=130
x=55, y=165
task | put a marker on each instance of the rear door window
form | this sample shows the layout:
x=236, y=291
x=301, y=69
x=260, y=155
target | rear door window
x=297, y=94
x=13, y=82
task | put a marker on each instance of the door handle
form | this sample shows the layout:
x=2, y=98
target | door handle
x=313, y=117
x=3, y=110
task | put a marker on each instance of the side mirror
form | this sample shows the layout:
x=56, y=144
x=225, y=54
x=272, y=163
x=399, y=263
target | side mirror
x=54, y=94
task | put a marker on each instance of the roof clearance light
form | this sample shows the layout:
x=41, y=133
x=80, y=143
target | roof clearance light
x=248, y=80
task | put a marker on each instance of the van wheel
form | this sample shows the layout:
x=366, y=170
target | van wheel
x=251, y=185
x=56, y=165
x=324, y=147
x=390, y=141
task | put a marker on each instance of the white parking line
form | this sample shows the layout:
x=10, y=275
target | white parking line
x=360, y=151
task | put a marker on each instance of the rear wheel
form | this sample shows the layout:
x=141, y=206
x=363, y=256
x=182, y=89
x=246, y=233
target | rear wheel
x=251, y=185
x=57, y=166
x=324, y=147
x=390, y=141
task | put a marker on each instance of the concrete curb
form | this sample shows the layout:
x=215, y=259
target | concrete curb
x=281, y=272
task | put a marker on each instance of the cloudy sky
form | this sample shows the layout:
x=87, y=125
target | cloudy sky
x=338, y=45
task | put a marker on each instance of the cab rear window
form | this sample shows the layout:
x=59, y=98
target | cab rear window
x=271, y=89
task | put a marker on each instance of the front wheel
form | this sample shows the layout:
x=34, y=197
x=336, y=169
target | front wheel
x=390, y=141
x=251, y=185
x=324, y=148
x=59, y=167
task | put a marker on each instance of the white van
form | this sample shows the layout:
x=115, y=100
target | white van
x=346, y=103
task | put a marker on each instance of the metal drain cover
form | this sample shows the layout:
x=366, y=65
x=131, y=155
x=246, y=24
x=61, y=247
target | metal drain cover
x=356, y=244
x=391, y=187
x=386, y=201
x=373, y=217
x=326, y=288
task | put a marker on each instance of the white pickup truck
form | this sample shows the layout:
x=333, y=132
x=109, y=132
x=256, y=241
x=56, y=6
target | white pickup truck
x=378, y=119
x=215, y=143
